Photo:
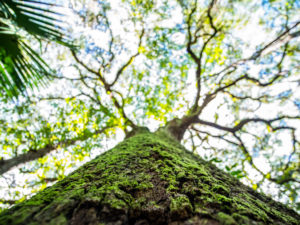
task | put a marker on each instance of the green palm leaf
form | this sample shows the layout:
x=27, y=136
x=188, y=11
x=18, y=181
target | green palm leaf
x=20, y=66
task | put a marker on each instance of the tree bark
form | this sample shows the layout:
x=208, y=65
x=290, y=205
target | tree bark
x=149, y=179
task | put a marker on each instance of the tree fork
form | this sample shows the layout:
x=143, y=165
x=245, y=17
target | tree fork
x=149, y=179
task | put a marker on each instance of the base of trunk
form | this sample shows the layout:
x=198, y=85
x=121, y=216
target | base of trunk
x=149, y=179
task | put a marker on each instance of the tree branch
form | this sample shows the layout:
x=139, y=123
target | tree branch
x=277, y=40
x=243, y=122
x=214, y=136
x=33, y=154
x=260, y=98
x=278, y=180
x=107, y=87
x=120, y=71
x=258, y=53
x=190, y=41
x=199, y=63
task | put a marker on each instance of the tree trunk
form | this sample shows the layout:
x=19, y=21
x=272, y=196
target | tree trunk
x=149, y=179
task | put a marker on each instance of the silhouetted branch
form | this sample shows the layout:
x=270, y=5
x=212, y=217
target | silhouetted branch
x=107, y=87
x=215, y=136
x=277, y=40
x=233, y=130
x=120, y=71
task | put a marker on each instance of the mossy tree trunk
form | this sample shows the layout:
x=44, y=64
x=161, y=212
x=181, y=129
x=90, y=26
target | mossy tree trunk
x=149, y=179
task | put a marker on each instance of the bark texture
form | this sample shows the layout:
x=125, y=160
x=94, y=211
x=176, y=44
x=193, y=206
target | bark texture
x=149, y=179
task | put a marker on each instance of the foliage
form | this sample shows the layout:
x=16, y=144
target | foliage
x=230, y=69
x=20, y=65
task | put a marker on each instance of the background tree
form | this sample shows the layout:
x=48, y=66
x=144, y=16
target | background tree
x=234, y=95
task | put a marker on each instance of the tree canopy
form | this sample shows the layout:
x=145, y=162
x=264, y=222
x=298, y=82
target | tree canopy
x=229, y=69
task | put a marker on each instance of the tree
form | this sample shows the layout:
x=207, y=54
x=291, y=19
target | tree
x=145, y=72
x=149, y=179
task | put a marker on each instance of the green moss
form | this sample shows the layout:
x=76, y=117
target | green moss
x=245, y=206
x=226, y=219
x=180, y=207
x=171, y=188
x=60, y=220
x=181, y=175
x=179, y=202
x=114, y=203
x=221, y=189
x=221, y=198
x=240, y=218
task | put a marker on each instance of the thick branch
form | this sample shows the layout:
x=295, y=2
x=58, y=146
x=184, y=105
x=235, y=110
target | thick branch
x=277, y=40
x=33, y=154
x=243, y=122
x=256, y=54
x=199, y=63
x=83, y=64
x=190, y=41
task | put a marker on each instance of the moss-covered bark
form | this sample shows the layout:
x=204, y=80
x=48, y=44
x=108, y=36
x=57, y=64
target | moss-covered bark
x=149, y=179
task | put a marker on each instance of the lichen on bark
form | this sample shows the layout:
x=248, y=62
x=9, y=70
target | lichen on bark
x=149, y=179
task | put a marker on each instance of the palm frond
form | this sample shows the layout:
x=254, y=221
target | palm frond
x=37, y=18
x=20, y=66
